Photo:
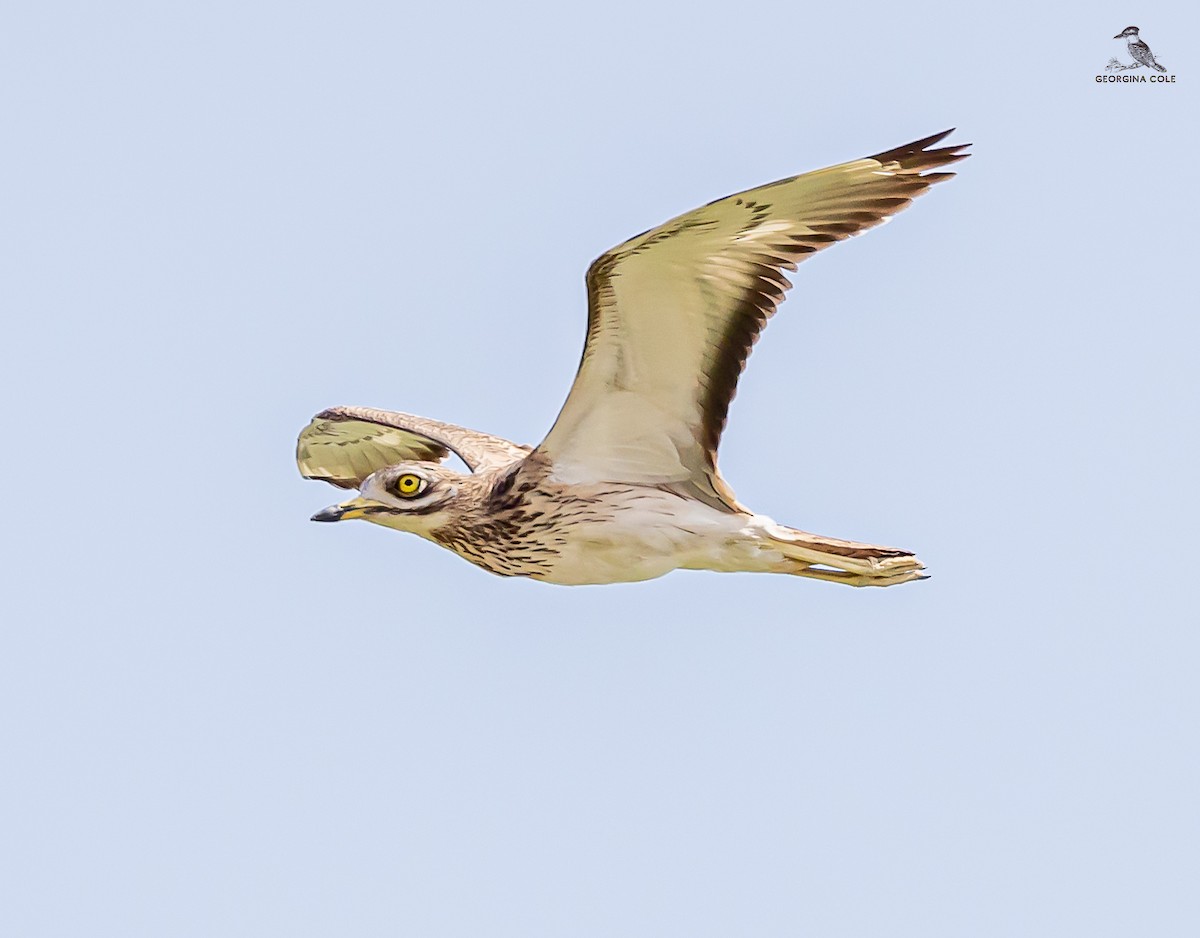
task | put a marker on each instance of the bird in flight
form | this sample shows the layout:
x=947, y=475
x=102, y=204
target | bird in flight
x=625, y=486
x=1137, y=49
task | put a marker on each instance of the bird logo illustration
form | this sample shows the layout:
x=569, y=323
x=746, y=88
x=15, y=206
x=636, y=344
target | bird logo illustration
x=1137, y=49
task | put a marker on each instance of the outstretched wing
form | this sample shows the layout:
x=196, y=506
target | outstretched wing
x=344, y=445
x=673, y=313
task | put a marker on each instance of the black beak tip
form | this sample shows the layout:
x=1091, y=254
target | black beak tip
x=332, y=513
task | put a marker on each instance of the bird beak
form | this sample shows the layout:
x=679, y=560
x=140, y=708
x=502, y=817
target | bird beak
x=355, y=508
x=1118, y=35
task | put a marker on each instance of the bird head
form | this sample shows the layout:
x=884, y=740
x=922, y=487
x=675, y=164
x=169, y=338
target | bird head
x=1127, y=31
x=410, y=496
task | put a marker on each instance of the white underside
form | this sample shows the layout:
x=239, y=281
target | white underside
x=654, y=538
x=655, y=532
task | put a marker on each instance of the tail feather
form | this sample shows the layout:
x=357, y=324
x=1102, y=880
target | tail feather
x=850, y=562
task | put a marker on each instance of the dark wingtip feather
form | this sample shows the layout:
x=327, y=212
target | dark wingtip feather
x=917, y=156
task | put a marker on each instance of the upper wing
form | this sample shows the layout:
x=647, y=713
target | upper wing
x=673, y=313
x=344, y=445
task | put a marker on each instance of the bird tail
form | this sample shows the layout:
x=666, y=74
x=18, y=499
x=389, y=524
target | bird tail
x=849, y=562
x=1159, y=67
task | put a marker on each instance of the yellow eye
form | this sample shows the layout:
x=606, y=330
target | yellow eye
x=408, y=485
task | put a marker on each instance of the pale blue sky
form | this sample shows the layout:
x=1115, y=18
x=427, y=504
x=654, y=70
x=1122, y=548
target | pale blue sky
x=219, y=719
